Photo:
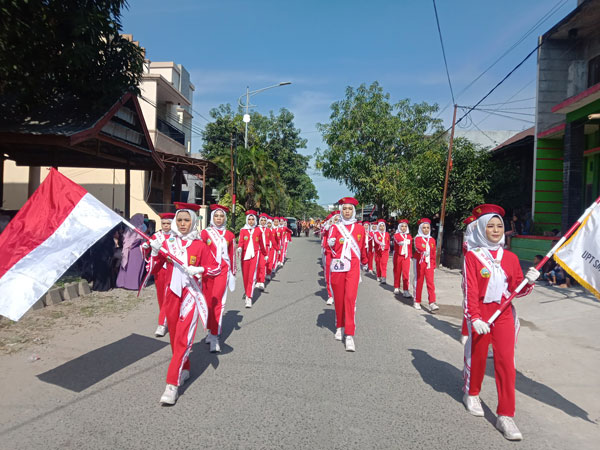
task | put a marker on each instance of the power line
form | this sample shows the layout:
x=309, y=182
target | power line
x=514, y=101
x=540, y=21
x=437, y=20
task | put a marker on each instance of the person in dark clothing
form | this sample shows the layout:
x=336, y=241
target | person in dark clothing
x=102, y=255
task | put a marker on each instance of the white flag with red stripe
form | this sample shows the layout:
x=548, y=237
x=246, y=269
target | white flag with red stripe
x=58, y=223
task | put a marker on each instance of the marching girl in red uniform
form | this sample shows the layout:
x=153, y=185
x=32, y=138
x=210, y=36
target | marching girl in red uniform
x=273, y=245
x=491, y=273
x=263, y=257
x=371, y=248
x=402, y=257
x=221, y=246
x=181, y=292
x=346, y=243
x=250, y=248
x=381, y=243
x=277, y=226
x=425, y=255
x=469, y=222
x=160, y=236
x=367, y=226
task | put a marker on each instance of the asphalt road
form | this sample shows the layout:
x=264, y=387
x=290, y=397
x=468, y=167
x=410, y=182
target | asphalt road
x=282, y=381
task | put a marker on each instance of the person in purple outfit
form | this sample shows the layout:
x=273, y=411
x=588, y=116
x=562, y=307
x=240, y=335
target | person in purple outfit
x=132, y=262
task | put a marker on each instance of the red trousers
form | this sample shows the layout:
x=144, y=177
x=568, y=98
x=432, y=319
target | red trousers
x=272, y=261
x=502, y=338
x=182, y=331
x=370, y=258
x=160, y=283
x=215, y=293
x=425, y=274
x=344, y=286
x=327, y=270
x=249, y=268
x=401, y=269
x=381, y=262
x=261, y=269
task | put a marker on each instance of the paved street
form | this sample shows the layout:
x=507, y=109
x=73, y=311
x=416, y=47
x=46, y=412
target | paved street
x=282, y=381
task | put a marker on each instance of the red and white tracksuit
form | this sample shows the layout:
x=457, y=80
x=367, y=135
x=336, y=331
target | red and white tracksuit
x=159, y=279
x=344, y=285
x=402, y=257
x=464, y=329
x=265, y=241
x=215, y=287
x=273, y=251
x=327, y=263
x=381, y=242
x=252, y=248
x=181, y=311
x=503, y=330
x=425, y=273
x=370, y=250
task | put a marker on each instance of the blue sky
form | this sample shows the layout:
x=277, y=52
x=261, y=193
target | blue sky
x=322, y=46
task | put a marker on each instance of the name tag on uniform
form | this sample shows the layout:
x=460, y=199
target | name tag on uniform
x=340, y=265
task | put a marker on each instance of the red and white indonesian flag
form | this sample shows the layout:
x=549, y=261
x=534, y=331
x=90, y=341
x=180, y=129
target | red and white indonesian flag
x=52, y=230
x=580, y=254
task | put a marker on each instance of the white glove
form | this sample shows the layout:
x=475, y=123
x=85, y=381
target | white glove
x=481, y=327
x=266, y=258
x=331, y=242
x=239, y=251
x=145, y=246
x=155, y=247
x=532, y=275
x=427, y=253
x=194, y=270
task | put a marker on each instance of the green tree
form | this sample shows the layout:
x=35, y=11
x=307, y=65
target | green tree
x=55, y=51
x=370, y=140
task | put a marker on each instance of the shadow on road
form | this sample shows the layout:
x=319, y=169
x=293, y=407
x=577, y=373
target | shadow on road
x=80, y=373
x=327, y=319
x=444, y=377
x=441, y=325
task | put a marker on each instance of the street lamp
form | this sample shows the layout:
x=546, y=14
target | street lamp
x=246, y=120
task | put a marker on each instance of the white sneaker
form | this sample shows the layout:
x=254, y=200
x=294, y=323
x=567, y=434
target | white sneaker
x=170, y=395
x=396, y=291
x=406, y=294
x=379, y=279
x=248, y=302
x=161, y=330
x=417, y=305
x=260, y=286
x=433, y=307
x=330, y=301
x=339, y=334
x=185, y=375
x=509, y=429
x=350, y=344
x=490, y=353
x=473, y=404
x=464, y=339
x=214, y=345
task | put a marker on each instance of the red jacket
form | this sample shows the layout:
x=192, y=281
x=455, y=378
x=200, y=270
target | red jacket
x=398, y=239
x=358, y=232
x=421, y=246
x=212, y=247
x=477, y=279
x=378, y=240
x=197, y=255
x=244, y=241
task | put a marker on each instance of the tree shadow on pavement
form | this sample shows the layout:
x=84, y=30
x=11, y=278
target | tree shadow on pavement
x=444, y=326
x=327, y=319
x=92, y=367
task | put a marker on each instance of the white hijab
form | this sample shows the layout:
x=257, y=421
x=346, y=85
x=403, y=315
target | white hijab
x=193, y=233
x=426, y=237
x=248, y=226
x=212, y=219
x=479, y=243
x=250, y=248
x=351, y=220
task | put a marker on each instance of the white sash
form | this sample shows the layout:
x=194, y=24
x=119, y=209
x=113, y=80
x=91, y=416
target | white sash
x=250, y=247
x=404, y=244
x=498, y=281
x=221, y=245
x=427, y=250
x=350, y=243
x=382, y=242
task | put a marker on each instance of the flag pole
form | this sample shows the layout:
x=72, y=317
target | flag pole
x=545, y=259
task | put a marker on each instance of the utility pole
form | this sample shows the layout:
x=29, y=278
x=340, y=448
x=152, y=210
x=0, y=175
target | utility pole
x=440, y=236
x=233, y=182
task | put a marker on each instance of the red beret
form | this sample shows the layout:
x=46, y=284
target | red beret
x=469, y=220
x=404, y=221
x=348, y=201
x=381, y=221
x=251, y=212
x=166, y=216
x=215, y=207
x=487, y=208
x=424, y=220
x=192, y=206
x=265, y=215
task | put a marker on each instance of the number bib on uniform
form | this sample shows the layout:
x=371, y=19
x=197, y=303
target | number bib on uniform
x=340, y=265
